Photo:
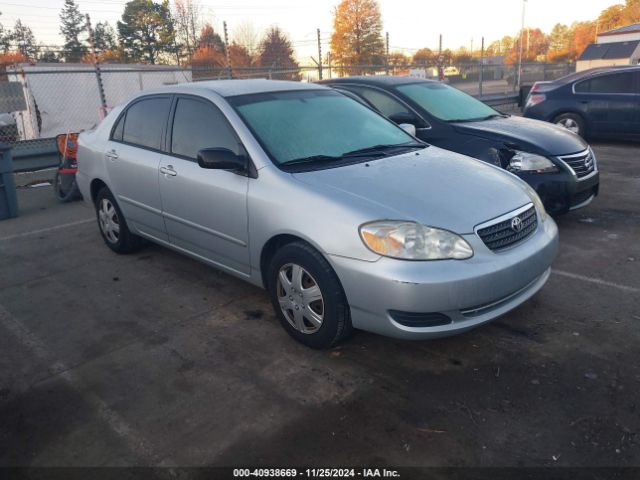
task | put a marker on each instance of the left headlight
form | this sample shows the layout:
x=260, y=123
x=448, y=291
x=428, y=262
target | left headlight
x=412, y=241
x=530, y=162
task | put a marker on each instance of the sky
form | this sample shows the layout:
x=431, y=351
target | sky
x=411, y=24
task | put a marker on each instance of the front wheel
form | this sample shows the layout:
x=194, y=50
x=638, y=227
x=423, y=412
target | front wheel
x=571, y=122
x=308, y=297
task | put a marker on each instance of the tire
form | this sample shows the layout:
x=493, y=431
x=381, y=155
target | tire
x=572, y=122
x=65, y=187
x=297, y=276
x=113, y=226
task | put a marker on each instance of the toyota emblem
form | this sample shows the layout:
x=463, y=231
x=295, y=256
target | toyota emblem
x=516, y=224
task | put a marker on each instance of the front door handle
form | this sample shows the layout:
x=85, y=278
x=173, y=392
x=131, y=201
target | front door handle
x=111, y=155
x=168, y=170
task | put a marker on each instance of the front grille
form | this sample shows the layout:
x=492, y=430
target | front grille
x=582, y=163
x=508, y=232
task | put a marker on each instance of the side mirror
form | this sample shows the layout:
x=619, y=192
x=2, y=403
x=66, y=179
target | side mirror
x=410, y=118
x=407, y=127
x=221, y=159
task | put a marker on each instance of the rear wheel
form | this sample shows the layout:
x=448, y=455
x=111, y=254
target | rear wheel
x=571, y=122
x=308, y=297
x=113, y=226
x=65, y=187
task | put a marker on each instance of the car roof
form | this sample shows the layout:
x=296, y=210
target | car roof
x=573, y=77
x=380, y=80
x=231, y=88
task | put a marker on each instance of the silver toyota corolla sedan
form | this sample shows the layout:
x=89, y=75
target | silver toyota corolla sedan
x=346, y=219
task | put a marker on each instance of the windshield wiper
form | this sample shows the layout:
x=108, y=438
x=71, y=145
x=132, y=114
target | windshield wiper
x=312, y=159
x=382, y=149
x=495, y=115
x=375, y=151
x=479, y=119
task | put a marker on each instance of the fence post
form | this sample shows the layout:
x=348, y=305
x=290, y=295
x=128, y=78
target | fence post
x=226, y=50
x=386, y=57
x=319, y=57
x=96, y=64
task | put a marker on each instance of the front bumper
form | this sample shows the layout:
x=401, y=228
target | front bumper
x=561, y=192
x=469, y=292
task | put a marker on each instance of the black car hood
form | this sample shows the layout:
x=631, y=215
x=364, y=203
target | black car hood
x=526, y=134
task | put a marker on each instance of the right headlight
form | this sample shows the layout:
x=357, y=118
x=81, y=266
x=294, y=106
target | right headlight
x=530, y=162
x=412, y=241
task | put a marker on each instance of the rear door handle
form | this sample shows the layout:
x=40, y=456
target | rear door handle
x=168, y=170
x=111, y=155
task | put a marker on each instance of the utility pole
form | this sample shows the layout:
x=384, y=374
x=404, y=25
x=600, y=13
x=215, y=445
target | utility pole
x=386, y=58
x=329, y=62
x=440, y=62
x=481, y=65
x=319, y=57
x=519, y=80
x=226, y=49
x=96, y=64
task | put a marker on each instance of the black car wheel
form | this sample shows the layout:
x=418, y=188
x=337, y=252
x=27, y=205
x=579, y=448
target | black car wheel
x=113, y=226
x=572, y=122
x=307, y=296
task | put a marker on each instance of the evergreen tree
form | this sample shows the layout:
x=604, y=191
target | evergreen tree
x=104, y=37
x=146, y=30
x=276, y=53
x=72, y=25
x=24, y=40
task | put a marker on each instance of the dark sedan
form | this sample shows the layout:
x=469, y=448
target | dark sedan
x=559, y=165
x=600, y=102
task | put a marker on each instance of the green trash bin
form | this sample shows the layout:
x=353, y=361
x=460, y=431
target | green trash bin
x=8, y=198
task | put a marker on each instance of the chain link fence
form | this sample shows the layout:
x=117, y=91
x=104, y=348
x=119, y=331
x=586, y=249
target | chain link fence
x=38, y=102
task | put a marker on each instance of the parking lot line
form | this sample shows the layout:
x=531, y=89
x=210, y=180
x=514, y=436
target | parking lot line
x=134, y=441
x=597, y=281
x=45, y=230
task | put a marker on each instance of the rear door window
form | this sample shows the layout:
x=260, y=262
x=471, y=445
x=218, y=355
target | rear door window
x=145, y=121
x=612, y=83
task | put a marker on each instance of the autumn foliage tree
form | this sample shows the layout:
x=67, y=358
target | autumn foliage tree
x=424, y=57
x=357, y=33
x=535, y=45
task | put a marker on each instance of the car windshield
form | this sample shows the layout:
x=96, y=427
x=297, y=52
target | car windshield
x=316, y=126
x=447, y=103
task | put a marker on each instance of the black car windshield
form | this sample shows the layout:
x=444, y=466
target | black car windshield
x=316, y=126
x=447, y=103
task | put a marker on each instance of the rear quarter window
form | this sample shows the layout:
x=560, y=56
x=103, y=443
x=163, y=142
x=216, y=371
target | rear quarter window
x=613, y=83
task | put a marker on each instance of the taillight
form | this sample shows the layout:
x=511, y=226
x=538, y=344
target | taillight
x=534, y=99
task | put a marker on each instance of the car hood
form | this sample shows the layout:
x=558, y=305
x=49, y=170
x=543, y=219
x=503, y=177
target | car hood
x=527, y=134
x=432, y=186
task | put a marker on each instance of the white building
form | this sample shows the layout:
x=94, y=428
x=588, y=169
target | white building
x=620, y=46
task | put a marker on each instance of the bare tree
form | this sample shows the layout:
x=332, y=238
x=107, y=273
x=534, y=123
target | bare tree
x=187, y=15
x=246, y=35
